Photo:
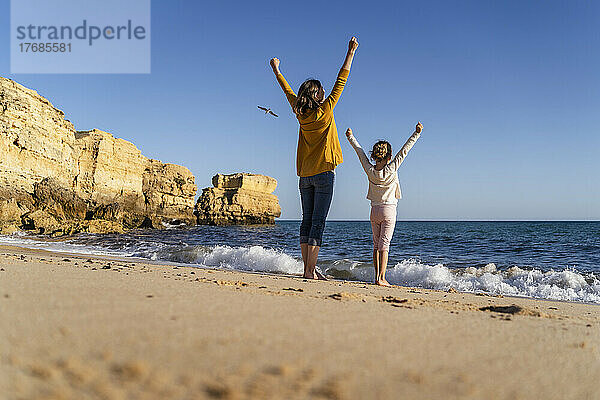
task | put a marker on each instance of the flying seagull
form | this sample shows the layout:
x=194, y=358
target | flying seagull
x=268, y=111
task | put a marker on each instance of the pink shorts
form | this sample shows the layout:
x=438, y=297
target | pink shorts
x=383, y=222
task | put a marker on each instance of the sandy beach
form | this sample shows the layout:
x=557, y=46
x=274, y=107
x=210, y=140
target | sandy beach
x=79, y=327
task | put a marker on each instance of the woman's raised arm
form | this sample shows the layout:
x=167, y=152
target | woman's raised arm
x=340, y=82
x=352, y=46
x=287, y=89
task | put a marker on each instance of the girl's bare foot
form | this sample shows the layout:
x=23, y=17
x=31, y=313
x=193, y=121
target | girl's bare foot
x=383, y=282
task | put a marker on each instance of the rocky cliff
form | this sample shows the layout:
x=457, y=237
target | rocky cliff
x=238, y=199
x=56, y=180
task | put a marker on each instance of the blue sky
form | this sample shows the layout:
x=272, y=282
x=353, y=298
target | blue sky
x=508, y=92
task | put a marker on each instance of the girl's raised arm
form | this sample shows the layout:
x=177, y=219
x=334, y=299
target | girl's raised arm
x=399, y=158
x=289, y=93
x=362, y=157
x=342, y=77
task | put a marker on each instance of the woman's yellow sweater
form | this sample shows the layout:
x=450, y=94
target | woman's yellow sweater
x=319, y=147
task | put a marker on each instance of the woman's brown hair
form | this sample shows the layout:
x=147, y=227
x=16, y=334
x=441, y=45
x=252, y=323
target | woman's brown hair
x=381, y=150
x=307, y=98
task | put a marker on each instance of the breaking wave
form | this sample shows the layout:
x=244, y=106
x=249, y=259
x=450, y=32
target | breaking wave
x=565, y=284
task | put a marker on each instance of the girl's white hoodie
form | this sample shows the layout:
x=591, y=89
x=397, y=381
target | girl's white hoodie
x=384, y=187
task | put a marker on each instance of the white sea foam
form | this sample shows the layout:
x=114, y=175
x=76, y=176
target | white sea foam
x=566, y=284
x=19, y=239
x=253, y=258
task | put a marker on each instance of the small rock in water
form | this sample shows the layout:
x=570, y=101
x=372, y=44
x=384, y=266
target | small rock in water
x=106, y=267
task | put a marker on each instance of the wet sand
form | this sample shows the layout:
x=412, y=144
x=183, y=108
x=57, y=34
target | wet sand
x=79, y=327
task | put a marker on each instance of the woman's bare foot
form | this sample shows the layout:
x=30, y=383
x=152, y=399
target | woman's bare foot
x=316, y=275
x=309, y=276
x=383, y=282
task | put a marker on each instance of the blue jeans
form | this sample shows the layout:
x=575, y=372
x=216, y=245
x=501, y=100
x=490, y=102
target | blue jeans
x=316, y=193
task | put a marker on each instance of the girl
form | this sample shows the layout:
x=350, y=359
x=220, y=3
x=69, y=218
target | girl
x=384, y=192
x=319, y=152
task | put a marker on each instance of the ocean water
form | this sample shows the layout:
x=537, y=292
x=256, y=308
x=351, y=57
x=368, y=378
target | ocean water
x=550, y=260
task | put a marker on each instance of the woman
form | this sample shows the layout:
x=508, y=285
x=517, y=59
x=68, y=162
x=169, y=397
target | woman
x=384, y=192
x=319, y=152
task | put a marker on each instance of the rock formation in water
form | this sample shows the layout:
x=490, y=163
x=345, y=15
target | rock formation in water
x=56, y=180
x=238, y=199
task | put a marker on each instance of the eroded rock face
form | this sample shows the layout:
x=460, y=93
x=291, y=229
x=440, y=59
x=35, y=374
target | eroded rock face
x=169, y=190
x=35, y=139
x=108, y=168
x=258, y=183
x=56, y=180
x=238, y=199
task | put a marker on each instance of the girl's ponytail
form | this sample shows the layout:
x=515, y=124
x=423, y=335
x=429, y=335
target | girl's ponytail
x=381, y=150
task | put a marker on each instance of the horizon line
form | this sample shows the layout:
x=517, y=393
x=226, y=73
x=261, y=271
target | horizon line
x=458, y=220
